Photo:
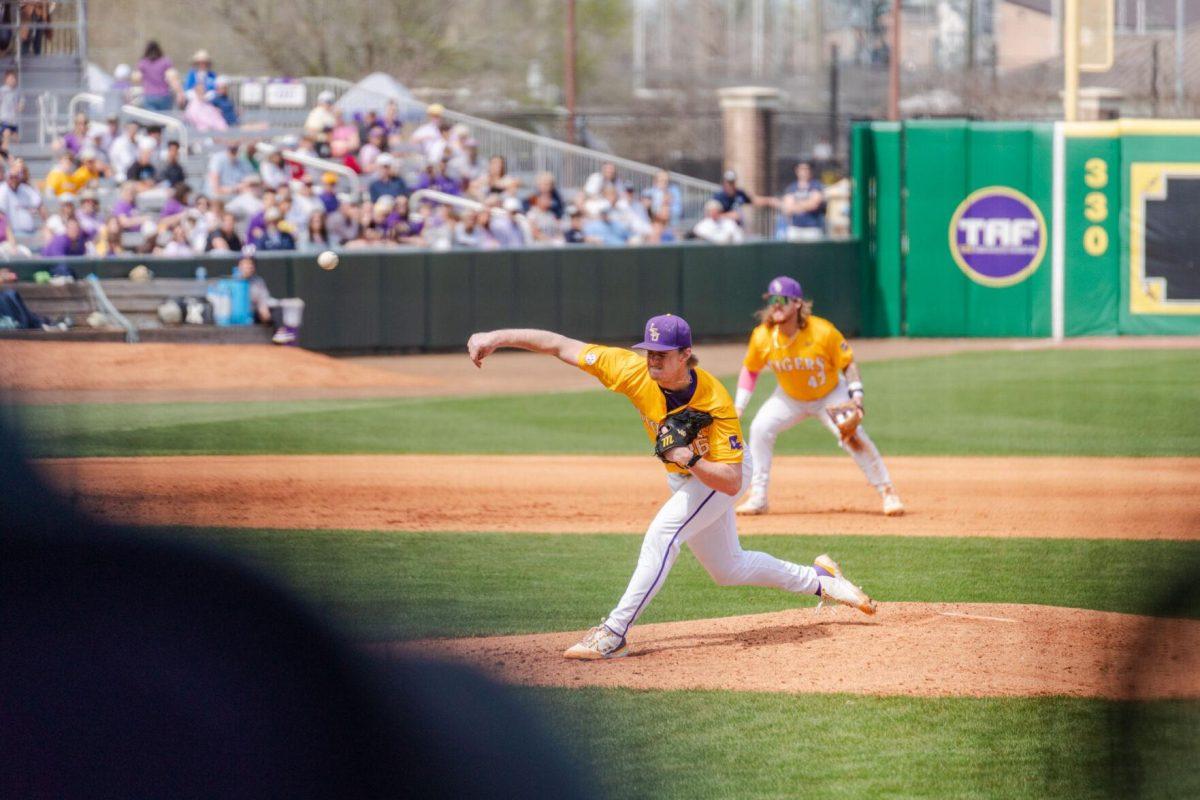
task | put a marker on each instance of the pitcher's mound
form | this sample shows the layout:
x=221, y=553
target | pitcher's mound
x=927, y=649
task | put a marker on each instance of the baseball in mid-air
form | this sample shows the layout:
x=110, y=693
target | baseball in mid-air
x=327, y=260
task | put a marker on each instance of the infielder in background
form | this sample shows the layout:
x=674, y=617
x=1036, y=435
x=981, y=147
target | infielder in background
x=817, y=378
x=690, y=417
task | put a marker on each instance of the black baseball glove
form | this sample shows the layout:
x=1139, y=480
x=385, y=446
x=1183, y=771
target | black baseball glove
x=679, y=430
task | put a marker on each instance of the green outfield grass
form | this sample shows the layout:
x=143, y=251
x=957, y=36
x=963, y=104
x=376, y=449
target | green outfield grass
x=384, y=585
x=729, y=744
x=1137, y=403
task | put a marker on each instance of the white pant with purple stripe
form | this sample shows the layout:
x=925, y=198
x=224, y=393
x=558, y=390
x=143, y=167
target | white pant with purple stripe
x=704, y=519
x=781, y=411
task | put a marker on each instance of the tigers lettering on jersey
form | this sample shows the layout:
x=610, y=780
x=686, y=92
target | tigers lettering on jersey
x=624, y=371
x=807, y=365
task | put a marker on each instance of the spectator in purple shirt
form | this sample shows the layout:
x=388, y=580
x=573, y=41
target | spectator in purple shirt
x=89, y=214
x=77, y=137
x=382, y=212
x=71, y=242
x=435, y=177
x=366, y=122
x=400, y=226
x=176, y=207
x=391, y=121
x=326, y=194
x=156, y=91
x=258, y=220
x=125, y=209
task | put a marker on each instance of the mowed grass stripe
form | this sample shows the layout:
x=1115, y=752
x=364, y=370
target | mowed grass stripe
x=1131, y=403
x=728, y=744
x=386, y=585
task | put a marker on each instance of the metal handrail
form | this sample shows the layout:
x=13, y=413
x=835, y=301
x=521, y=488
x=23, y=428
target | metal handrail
x=166, y=120
x=45, y=119
x=109, y=310
x=449, y=200
x=628, y=164
x=90, y=97
x=317, y=163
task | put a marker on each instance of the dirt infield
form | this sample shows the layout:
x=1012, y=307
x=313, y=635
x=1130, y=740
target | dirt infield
x=922, y=649
x=99, y=372
x=1119, y=498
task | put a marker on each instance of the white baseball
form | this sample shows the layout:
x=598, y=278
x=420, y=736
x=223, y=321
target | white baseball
x=327, y=260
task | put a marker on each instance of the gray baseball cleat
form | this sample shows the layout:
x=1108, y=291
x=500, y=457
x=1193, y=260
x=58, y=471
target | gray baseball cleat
x=600, y=642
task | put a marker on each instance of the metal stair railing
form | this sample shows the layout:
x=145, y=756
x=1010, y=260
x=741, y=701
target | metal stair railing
x=91, y=98
x=156, y=118
x=109, y=310
x=322, y=164
x=47, y=124
x=415, y=199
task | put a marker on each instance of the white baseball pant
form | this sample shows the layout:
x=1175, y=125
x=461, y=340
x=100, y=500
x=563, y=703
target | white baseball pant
x=703, y=518
x=780, y=412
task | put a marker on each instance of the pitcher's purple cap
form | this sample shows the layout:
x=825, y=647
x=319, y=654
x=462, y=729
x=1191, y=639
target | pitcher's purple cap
x=785, y=287
x=666, y=332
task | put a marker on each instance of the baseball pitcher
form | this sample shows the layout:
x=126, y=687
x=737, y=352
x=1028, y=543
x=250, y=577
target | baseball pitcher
x=817, y=377
x=690, y=418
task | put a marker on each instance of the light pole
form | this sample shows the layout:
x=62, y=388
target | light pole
x=1071, y=60
x=894, y=65
x=569, y=70
x=1179, y=56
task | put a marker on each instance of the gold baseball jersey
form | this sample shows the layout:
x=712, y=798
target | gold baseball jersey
x=625, y=371
x=806, y=365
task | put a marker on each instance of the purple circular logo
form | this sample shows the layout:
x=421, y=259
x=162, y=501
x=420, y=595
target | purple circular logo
x=997, y=236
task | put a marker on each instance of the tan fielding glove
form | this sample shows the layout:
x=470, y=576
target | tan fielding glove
x=846, y=416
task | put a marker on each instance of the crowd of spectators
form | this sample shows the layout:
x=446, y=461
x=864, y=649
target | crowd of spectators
x=123, y=188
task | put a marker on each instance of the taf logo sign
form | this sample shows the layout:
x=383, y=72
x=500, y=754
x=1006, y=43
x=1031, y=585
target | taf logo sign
x=997, y=236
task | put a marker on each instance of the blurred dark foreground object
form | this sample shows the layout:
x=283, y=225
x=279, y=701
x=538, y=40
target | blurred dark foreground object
x=135, y=668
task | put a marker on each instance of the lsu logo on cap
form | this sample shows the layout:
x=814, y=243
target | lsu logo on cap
x=653, y=333
x=735, y=443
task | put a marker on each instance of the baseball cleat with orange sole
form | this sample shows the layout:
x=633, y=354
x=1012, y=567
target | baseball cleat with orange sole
x=835, y=587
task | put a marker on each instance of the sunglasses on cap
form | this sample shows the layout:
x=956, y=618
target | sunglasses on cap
x=778, y=300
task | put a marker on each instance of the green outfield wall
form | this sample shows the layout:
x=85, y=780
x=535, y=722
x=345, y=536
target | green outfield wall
x=1028, y=229
x=876, y=218
x=418, y=300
